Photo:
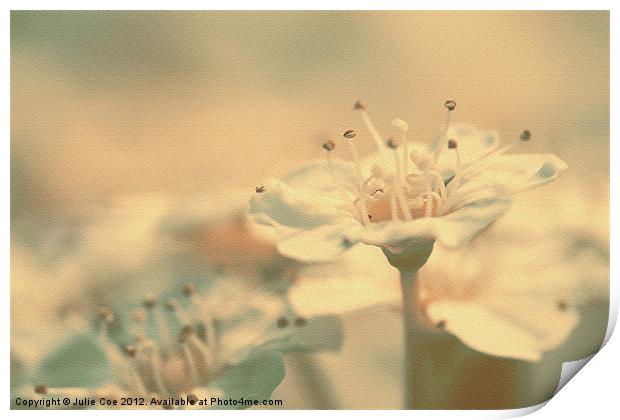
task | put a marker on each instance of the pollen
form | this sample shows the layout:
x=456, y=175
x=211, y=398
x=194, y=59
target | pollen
x=149, y=301
x=392, y=144
x=329, y=145
x=526, y=135
x=359, y=105
x=189, y=289
x=186, y=332
x=40, y=389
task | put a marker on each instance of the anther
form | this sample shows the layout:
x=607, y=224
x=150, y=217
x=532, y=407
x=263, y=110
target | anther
x=138, y=315
x=260, y=189
x=526, y=135
x=400, y=124
x=329, y=145
x=349, y=134
x=392, y=144
x=450, y=105
x=347, y=243
x=130, y=350
x=172, y=305
x=370, y=217
x=359, y=105
x=562, y=306
x=452, y=144
x=300, y=322
x=106, y=315
x=441, y=325
x=381, y=190
x=192, y=399
x=186, y=332
x=189, y=289
x=282, y=322
x=149, y=301
x=40, y=389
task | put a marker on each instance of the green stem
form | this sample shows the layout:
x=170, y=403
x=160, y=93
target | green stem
x=415, y=335
x=317, y=384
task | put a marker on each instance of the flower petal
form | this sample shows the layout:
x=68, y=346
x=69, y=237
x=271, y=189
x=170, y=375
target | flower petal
x=492, y=332
x=254, y=379
x=324, y=243
x=321, y=333
x=362, y=278
x=511, y=173
x=78, y=362
x=472, y=143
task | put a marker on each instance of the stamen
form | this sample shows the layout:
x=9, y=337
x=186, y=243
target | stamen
x=350, y=134
x=329, y=145
x=361, y=106
x=526, y=135
x=404, y=127
x=429, y=199
x=209, y=359
x=163, y=331
x=450, y=106
x=149, y=301
x=454, y=183
x=191, y=365
x=106, y=315
x=398, y=183
x=421, y=160
x=282, y=322
x=139, y=316
x=192, y=399
x=189, y=289
x=206, y=318
x=393, y=206
x=65, y=392
x=155, y=363
x=130, y=350
x=174, y=307
x=186, y=332
x=260, y=189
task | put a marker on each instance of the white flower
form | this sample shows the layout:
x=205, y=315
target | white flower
x=517, y=300
x=402, y=198
x=224, y=341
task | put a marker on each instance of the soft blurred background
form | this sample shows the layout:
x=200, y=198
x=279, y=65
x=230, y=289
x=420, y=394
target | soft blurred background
x=152, y=105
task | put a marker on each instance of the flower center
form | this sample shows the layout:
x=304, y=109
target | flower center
x=407, y=183
x=173, y=348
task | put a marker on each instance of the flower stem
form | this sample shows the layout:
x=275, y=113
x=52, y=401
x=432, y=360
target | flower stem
x=317, y=385
x=414, y=339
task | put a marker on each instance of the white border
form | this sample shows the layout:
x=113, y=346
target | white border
x=593, y=394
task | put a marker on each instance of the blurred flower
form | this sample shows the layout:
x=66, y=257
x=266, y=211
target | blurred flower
x=514, y=292
x=360, y=279
x=502, y=302
x=403, y=197
x=224, y=342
